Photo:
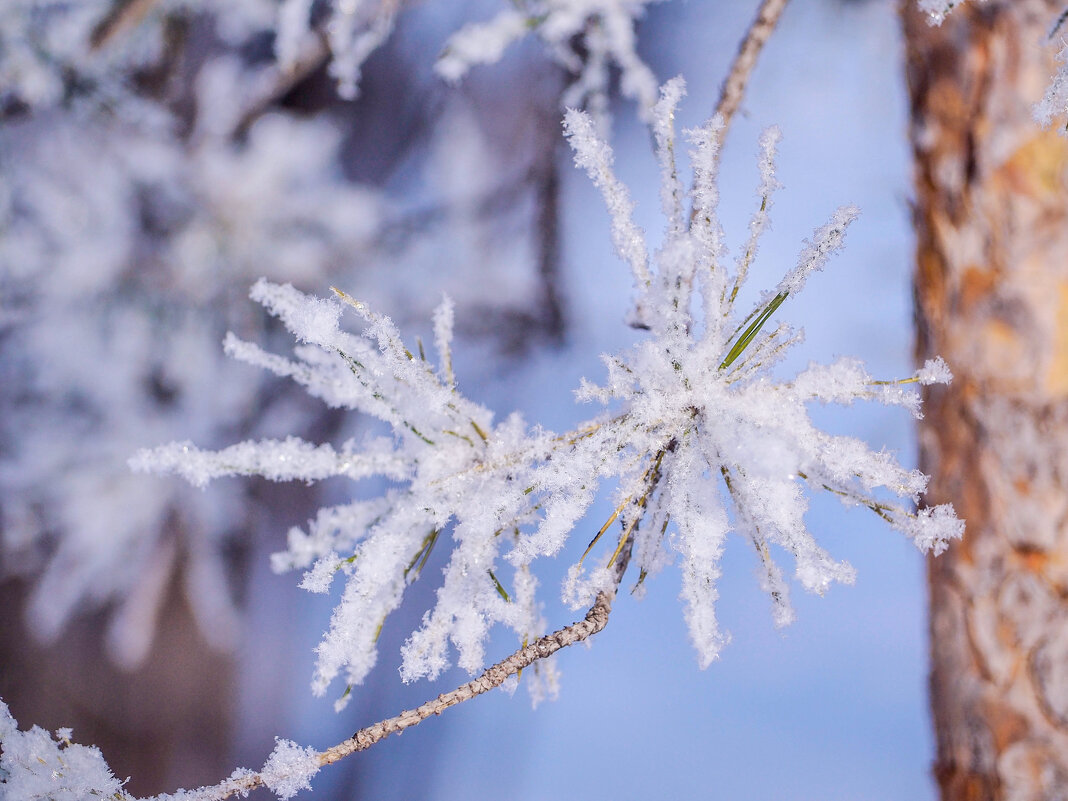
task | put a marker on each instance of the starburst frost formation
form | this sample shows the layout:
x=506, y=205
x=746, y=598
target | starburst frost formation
x=698, y=436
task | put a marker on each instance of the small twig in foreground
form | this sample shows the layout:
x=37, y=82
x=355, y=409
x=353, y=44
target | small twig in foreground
x=494, y=676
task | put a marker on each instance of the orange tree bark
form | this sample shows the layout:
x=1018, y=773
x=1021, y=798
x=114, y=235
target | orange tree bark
x=991, y=217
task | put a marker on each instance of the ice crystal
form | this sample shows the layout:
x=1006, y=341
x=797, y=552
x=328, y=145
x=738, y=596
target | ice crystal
x=289, y=769
x=36, y=764
x=698, y=435
x=936, y=10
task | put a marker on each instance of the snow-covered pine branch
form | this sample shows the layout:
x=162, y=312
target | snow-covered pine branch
x=700, y=393
x=698, y=436
x=697, y=427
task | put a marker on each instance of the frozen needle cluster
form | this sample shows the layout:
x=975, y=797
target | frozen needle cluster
x=698, y=437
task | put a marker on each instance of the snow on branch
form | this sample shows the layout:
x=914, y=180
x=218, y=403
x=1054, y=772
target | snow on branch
x=277, y=460
x=37, y=764
x=595, y=156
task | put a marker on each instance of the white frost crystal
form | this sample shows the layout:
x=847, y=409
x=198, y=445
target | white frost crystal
x=34, y=764
x=289, y=769
x=934, y=371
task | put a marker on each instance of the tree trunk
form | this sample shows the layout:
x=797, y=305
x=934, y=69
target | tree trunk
x=991, y=219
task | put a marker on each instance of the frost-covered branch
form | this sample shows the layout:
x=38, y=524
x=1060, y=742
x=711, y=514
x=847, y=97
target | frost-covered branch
x=696, y=434
x=594, y=621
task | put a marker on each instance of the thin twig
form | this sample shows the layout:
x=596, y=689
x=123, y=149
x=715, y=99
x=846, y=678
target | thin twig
x=730, y=96
x=123, y=15
x=734, y=85
x=595, y=620
x=276, y=82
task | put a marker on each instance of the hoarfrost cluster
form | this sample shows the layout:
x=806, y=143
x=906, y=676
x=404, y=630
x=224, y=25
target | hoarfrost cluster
x=38, y=764
x=289, y=769
x=697, y=435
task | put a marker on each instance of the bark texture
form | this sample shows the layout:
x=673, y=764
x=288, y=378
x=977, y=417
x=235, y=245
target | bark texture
x=991, y=218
